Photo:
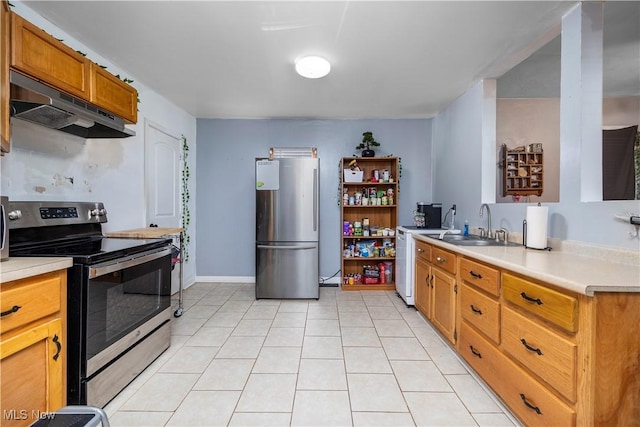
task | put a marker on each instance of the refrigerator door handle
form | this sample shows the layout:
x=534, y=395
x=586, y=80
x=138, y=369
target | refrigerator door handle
x=286, y=247
x=315, y=199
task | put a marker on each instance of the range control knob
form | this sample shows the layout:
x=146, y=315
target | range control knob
x=98, y=212
x=13, y=215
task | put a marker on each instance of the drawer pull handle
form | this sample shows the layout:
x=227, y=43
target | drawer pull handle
x=440, y=259
x=475, y=352
x=476, y=310
x=528, y=347
x=528, y=298
x=476, y=275
x=10, y=311
x=56, y=340
x=529, y=405
x=431, y=280
x=420, y=250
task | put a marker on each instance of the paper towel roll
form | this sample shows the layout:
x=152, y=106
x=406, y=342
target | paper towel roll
x=537, y=227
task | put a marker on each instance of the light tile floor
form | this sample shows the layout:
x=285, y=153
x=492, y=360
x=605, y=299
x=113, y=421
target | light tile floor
x=359, y=358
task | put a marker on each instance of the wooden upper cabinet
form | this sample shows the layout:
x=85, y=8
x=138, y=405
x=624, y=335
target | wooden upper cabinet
x=5, y=46
x=113, y=94
x=40, y=55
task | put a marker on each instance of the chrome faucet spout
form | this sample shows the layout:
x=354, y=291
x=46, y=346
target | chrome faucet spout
x=443, y=234
x=482, y=207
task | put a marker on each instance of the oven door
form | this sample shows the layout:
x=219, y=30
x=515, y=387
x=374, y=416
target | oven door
x=126, y=300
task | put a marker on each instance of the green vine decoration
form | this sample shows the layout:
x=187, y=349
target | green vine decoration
x=186, y=214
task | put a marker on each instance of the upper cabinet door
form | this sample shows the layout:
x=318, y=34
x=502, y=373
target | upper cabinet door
x=5, y=46
x=40, y=55
x=113, y=94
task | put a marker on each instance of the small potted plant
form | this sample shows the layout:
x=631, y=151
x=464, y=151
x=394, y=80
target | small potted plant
x=367, y=142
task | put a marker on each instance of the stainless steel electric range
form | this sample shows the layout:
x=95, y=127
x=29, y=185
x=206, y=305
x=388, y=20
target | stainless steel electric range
x=118, y=293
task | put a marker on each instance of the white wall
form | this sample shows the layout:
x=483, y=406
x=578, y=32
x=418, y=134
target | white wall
x=43, y=161
x=526, y=121
x=458, y=138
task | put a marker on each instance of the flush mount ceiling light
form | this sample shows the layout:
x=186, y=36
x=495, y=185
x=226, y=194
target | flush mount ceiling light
x=313, y=67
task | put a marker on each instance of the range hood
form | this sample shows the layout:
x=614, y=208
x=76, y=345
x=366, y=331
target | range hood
x=38, y=103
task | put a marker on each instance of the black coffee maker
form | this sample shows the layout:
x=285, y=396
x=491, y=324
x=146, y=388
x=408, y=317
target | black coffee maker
x=432, y=214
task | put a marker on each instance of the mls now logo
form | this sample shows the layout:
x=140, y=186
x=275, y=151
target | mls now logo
x=15, y=414
x=23, y=414
x=35, y=414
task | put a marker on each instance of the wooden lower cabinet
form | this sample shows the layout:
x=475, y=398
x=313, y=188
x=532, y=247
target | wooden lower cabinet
x=33, y=347
x=554, y=357
x=436, y=288
x=443, y=315
x=31, y=373
x=530, y=401
x=545, y=352
x=423, y=288
x=481, y=311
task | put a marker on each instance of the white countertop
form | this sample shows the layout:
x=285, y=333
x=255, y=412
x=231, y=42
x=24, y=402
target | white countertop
x=16, y=268
x=582, y=274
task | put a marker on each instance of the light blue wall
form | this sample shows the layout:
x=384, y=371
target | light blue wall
x=458, y=140
x=225, y=180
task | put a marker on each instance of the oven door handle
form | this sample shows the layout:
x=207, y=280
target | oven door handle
x=122, y=263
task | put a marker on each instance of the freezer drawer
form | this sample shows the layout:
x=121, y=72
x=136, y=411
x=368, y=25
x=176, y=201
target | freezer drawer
x=287, y=270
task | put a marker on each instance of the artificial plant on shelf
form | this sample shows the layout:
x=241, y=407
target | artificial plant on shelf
x=368, y=141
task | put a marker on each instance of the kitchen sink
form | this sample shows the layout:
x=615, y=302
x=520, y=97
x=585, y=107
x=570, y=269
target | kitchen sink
x=471, y=240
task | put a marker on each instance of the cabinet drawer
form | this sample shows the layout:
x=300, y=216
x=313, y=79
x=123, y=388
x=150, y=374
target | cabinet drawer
x=444, y=259
x=544, y=353
x=529, y=400
x=558, y=308
x=24, y=301
x=481, y=311
x=423, y=251
x=481, y=276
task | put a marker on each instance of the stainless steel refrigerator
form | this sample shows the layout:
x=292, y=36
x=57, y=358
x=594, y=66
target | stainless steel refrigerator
x=287, y=211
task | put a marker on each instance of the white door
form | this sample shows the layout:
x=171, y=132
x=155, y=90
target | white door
x=162, y=176
x=162, y=160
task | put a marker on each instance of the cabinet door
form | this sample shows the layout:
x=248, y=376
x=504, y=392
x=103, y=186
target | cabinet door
x=32, y=368
x=40, y=55
x=443, y=315
x=4, y=77
x=114, y=95
x=423, y=288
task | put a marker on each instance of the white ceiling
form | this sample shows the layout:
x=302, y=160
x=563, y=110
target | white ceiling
x=395, y=59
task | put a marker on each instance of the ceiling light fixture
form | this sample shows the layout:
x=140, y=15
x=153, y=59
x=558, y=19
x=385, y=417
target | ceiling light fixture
x=313, y=67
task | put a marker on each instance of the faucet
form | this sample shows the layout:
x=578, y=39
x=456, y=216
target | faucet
x=505, y=234
x=444, y=232
x=484, y=205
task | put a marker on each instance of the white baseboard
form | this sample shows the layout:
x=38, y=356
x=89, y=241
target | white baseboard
x=226, y=279
x=247, y=279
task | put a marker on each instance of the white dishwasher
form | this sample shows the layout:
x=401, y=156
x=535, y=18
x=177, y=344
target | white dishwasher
x=405, y=259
